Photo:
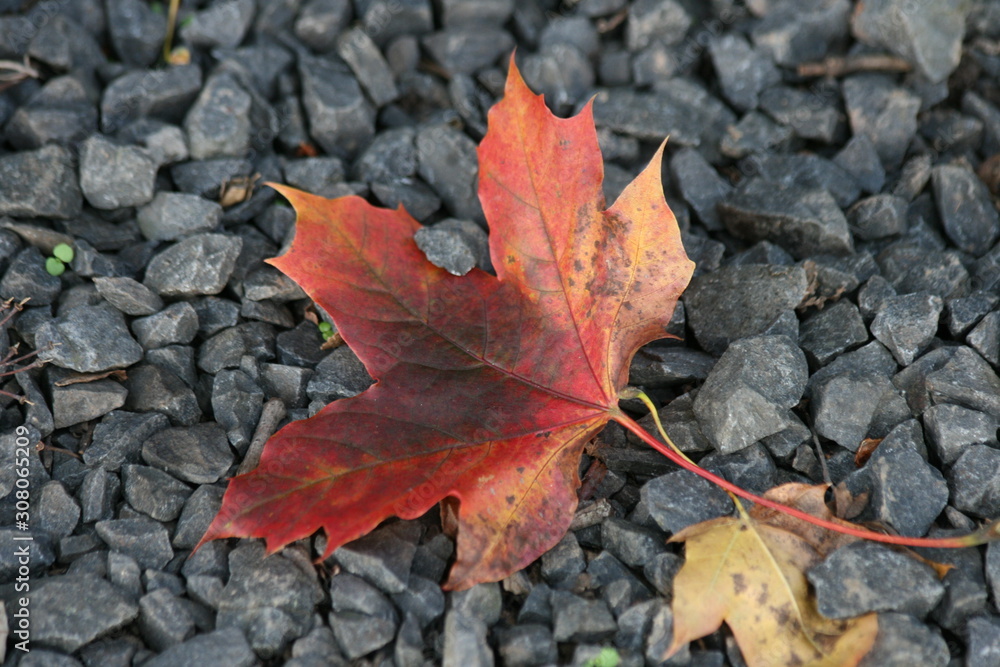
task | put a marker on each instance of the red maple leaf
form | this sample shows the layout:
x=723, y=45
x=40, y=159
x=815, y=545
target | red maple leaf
x=488, y=387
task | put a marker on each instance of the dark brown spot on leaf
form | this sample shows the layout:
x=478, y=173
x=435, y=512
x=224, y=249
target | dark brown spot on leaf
x=739, y=583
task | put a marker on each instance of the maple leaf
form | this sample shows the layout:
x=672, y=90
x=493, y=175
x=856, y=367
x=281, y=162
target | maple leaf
x=749, y=571
x=487, y=386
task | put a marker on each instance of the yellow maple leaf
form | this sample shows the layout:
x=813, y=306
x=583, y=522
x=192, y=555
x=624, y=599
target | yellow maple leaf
x=749, y=572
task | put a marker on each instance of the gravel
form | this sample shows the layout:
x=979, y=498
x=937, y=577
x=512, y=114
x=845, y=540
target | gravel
x=846, y=240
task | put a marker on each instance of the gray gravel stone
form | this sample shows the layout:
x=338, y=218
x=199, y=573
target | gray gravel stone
x=422, y=601
x=560, y=71
x=26, y=278
x=750, y=468
x=983, y=640
x=99, y=493
x=678, y=499
x=218, y=123
x=650, y=20
x=700, y=185
x=198, y=454
x=391, y=155
x=969, y=217
x=910, y=266
x=743, y=72
x=55, y=511
x=660, y=571
x=60, y=113
x=633, y=625
x=40, y=184
x=145, y=540
x=866, y=576
x=928, y=35
x=227, y=348
x=320, y=21
x=526, y=645
x=362, y=55
x=465, y=641
x=965, y=590
x=965, y=379
x=114, y=176
x=578, y=620
x=754, y=133
x=985, y=338
x=154, y=492
x=860, y=159
x=877, y=217
x=457, y=246
x=912, y=380
x=740, y=301
x=164, y=620
x=914, y=175
x=907, y=324
x=631, y=544
x=164, y=94
x=196, y=515
x=154, y=389
x=118, y=438
x=136, y=31
x=993, y=569
x=468, y=49
x=812, y=114
x=536, y=608
x=832, y=331
x=793, y=33
x=268, y=594
x=382, y=557
x=340, y=118
x=847, y=393
x=225, y=646
x=88, y=339
x=407, y=17
x=665, y=366
x=200, y=264
x=174, y=215
x=81, y=402
x=805, y=170
x=300, y=346
x=236, y=403
x=897, y=466
x=361, y=634
x=685, y=111
x=177, y=323
x=323, y=176
x=71, y=611
x=128, y=296
x=482, y=601
x=476, y=12
x=974, y=105
x=749, y=390
x=975, y=481
x=562, y=563
x=904, y=641
x=205, y=178
x=340, y=375
x=215, y=314
x=887, y=114
x=178, y=359
x=447, y=162
x=221, y=24
x=951, y=429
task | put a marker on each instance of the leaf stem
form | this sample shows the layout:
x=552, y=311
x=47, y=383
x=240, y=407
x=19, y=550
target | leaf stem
x=987, y=533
